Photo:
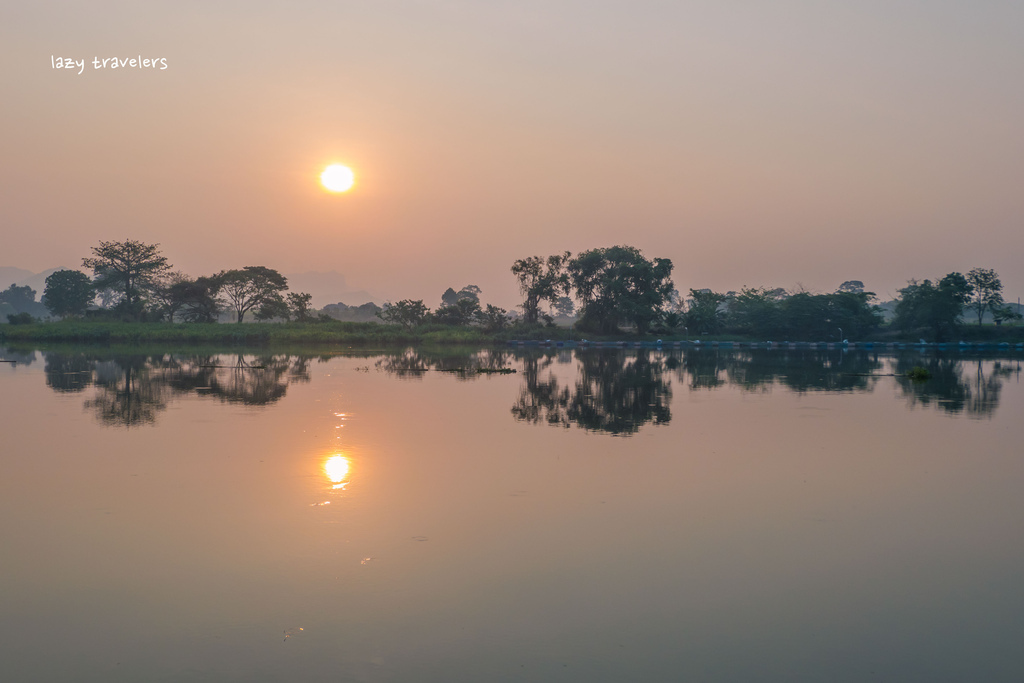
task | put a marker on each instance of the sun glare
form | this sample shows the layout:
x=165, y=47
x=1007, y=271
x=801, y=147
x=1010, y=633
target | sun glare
x=336, y=469
x=337, y=178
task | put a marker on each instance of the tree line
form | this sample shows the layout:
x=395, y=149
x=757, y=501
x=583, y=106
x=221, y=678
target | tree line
x=135, y=282
x=607, y=289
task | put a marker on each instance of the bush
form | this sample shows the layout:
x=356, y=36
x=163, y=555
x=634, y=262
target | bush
x=20, y=318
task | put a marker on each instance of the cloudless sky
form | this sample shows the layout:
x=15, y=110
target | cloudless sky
x=788, y=143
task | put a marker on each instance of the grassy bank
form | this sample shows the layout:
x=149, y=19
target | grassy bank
x=254, y=334
x=369, y=334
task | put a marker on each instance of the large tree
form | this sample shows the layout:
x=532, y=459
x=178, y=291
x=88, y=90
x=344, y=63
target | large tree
x=935, y=307
x=541, y=280
x=68, y=292
x=987, y=294
x=251, y=287
x=618, y=284
x=130, y=268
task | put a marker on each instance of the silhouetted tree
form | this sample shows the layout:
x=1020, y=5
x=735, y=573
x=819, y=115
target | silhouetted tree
x=618, y=284
x=540, y=280
x=130, y=268
x=299, y=303
x=451, y=297
x=68, y=293
x=250, y=288
x=408, y=312
x=986, y=291
x=923, y=305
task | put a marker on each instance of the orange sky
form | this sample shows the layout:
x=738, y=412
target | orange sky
x=753, y=145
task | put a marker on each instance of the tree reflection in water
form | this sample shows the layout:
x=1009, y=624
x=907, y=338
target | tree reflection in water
x=759, y=369
x=411, y=363
x=957, y=385
x=613, y=392
x=132, y=389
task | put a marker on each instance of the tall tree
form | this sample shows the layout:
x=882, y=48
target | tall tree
x=68, y=293
x=250, y=287
x=987, y=294
x=130, y=268
x=540, y=280
x=619, y=284
x=935, y=307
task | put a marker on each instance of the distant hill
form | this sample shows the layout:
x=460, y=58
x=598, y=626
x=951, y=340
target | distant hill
x=38, y=281
x=13, y=276
x=21, y=277
x=366, y=313
x=24, y=278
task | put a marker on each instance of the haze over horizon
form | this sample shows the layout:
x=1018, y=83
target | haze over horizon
x=783, y=145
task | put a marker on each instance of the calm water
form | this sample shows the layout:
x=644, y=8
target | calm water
x=596, y=516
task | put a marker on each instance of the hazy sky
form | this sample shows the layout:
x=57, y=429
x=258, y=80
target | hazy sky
x=753, y=143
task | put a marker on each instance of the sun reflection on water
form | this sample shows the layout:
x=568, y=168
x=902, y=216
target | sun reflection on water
x=336, y=469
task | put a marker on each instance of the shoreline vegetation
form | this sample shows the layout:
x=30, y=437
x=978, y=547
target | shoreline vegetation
x=612, y=294
x=338, y=333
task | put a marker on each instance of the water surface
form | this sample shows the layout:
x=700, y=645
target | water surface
x=595, y=516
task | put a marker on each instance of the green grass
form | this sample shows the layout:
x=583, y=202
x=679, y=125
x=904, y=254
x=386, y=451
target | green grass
x=338, y=333
x=254, y=334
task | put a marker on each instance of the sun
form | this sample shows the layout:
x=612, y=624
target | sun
x=337, y=178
